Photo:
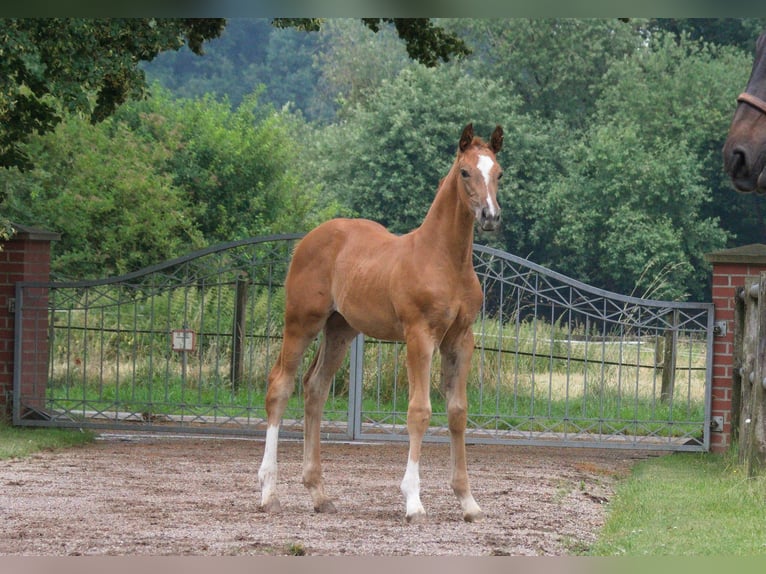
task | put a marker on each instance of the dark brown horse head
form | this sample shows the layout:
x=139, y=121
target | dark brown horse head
x=479, y=174
x=744, y=153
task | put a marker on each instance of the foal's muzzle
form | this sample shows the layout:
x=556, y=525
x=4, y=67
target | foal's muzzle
x=489, y=220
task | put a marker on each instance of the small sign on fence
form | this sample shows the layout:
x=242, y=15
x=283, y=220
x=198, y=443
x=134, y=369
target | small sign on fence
x=183, y=339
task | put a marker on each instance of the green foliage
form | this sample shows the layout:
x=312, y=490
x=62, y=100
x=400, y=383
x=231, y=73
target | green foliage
x=427, y=43
x=352, y=63
x=612, y=147
x=627, y=210
x=53, y=66
x=249, y=55
x=634, y=200
x=739, y=32
x=160, y=178
x=684, y=91
x=104, y=190
x=553, y=64
x=237, y=167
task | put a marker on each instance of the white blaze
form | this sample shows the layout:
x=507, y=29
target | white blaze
x=485, y=165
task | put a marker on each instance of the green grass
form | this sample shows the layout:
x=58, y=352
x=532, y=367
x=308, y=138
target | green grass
x=686, y=505
x=18, y=442
x=607, y=413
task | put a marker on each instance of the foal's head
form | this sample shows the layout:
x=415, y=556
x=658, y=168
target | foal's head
x=478, y=174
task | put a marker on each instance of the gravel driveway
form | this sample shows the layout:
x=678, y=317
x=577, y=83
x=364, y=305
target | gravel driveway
x=133, y=494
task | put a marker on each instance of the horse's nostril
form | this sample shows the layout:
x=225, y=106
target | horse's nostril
x=735, y=163
x=738, y=162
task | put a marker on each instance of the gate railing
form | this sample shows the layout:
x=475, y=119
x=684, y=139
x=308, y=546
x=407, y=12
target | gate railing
x=187, y=345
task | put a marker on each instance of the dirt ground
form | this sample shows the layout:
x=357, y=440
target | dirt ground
x=159, y=495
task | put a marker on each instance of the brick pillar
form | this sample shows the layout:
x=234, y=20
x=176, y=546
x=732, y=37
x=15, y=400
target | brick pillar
x=25, y=257
x=730, y=268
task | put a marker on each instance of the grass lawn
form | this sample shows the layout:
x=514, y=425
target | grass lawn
x=686, y=505
x=17, y=442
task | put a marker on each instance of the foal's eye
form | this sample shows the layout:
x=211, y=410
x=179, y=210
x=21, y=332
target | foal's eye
x=464, y=173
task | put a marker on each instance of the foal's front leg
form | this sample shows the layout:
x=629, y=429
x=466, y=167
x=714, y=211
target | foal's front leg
x=419, y=356
x=456, y=355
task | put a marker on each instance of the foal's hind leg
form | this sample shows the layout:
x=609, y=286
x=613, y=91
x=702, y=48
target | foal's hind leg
x=456, y=350
x=316, y=386
x=280, y=387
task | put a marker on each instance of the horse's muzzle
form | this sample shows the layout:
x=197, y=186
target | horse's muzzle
x=746, y=170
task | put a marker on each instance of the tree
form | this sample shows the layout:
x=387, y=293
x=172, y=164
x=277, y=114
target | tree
x=626, y=215
x=739, y=32
x=427, y=43
x=51, y=67
x=338, y=59
x=684, y=90
x=105, y=191
x=554, y=64
x=249, y=53
x=237, y=166
x=352, y=62
x=161, y=177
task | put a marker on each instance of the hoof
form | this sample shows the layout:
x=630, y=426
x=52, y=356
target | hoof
x=417, y=518
x=272, y=506
x=473, y=516
x=326, y=507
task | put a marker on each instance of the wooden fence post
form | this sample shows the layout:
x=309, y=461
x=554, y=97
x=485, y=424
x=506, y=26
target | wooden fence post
x=752, y=434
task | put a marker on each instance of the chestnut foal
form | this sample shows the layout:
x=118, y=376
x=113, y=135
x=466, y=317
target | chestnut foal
x=351, y=275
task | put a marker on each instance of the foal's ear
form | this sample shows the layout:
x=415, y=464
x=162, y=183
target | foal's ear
x=496, y=141
x=467, y=137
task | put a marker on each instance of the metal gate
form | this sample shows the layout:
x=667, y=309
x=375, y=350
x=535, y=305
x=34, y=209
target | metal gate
x=187, y=345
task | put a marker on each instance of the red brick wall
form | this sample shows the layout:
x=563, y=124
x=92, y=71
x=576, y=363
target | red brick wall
x=26, y=257
x=730, y=268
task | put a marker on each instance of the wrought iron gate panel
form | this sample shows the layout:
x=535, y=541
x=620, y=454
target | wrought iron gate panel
x=556, y=361
x=559, y=362
x=112, y=360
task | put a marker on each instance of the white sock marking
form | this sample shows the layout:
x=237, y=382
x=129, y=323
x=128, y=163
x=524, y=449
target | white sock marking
x=411, y=488
x=268, y=471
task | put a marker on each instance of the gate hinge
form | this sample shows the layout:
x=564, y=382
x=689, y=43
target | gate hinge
x=720, y=328
x=11, y=304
